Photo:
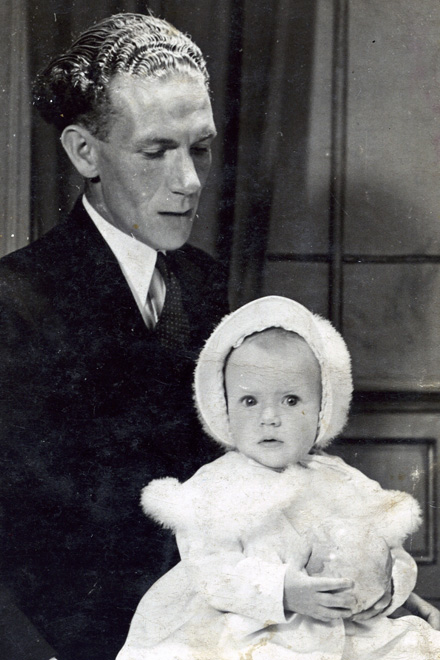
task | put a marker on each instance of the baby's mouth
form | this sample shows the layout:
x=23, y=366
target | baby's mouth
x=270, y=441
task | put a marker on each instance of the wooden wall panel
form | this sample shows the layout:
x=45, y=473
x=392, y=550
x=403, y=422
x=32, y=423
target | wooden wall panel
x=391, y=322
x=305, y=282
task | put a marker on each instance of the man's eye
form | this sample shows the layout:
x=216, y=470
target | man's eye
x=153, y=155
x=200, y=150
x=249, y=401
x=290, y=400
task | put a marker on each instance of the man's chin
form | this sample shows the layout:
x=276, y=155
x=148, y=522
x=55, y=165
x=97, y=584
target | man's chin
x=171, y=238
x=171, y=245
x=168, y=243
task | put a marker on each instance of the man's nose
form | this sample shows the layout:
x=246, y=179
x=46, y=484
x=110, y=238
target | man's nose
x=270, y=416
x=184, y=177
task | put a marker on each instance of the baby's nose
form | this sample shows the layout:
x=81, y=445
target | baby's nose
x=270, y=417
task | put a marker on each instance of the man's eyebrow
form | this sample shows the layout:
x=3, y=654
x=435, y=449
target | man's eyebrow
x=167, y=142
x=151, y=140
x=208, y=136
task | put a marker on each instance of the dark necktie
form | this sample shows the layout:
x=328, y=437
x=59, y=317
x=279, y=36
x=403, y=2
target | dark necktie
x=172, y=328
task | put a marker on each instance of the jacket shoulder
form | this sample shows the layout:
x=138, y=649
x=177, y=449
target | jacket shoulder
x=50, y=251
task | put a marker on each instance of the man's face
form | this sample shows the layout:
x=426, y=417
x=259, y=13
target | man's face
x=273, y=387
x=156, y=159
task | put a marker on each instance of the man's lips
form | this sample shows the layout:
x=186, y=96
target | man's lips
x=270, y=442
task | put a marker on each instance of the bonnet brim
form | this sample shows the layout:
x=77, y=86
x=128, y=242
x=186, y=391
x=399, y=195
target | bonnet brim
x=258, y=315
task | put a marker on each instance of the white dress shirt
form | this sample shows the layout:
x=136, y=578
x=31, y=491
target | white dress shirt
x=137, y=262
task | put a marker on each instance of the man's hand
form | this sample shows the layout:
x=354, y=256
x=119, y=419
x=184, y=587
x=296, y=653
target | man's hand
x=324, y=599
x=417, y=605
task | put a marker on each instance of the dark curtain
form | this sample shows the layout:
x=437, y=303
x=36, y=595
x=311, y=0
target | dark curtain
x=260, y=56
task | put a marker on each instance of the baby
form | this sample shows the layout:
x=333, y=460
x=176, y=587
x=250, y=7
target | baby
x=287, y=552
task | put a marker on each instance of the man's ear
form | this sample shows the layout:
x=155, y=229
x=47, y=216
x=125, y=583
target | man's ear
x=80, y=146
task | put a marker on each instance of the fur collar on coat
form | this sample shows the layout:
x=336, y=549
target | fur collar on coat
x=231, y=495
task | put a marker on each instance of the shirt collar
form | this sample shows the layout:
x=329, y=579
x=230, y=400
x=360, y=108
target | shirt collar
x=137, y=260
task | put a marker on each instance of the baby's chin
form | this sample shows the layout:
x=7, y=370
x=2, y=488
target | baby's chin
x=278, y=465
x=271, y=454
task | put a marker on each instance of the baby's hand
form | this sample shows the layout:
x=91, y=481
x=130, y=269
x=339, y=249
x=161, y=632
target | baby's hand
x=321, y=598
x=377, y=608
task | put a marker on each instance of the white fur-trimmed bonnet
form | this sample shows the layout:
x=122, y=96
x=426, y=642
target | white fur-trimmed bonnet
x=258, y=315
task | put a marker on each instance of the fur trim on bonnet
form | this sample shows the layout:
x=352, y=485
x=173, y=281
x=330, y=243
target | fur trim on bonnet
x=274, y=312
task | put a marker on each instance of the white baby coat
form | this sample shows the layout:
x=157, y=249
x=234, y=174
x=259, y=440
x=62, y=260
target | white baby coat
x=238, y=524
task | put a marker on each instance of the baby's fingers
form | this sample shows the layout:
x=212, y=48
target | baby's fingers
x=331, y=584
x=343, y=600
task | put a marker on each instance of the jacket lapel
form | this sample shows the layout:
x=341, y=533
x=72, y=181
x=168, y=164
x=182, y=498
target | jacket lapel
x=96, y=287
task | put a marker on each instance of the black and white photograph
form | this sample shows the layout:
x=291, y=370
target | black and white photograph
x=220, y=330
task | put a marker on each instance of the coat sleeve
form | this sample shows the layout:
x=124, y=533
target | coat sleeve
x=398, y=514
x=404, y=577
x=231, y=581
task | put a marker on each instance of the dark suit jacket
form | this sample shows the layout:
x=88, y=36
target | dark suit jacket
x=92, y=407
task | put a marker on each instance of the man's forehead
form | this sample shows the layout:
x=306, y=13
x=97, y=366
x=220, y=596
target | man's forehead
x=125, y=87
x=151, y=105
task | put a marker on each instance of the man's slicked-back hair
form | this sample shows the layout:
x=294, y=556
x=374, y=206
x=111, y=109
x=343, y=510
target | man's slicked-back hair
x=74, y=87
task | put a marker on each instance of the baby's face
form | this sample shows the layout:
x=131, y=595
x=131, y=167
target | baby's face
x=273, y=388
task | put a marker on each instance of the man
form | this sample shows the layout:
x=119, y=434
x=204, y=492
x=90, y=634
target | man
x=100, y=323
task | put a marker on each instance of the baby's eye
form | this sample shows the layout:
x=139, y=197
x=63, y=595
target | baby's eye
x=290, y=400
x=248, y=401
